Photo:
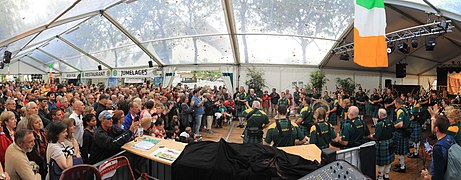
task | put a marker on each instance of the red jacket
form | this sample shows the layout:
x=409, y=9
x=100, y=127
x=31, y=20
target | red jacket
x=4, y=143
x=266, y=101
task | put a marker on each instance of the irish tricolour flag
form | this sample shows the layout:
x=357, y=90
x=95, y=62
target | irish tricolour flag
x=370, y=47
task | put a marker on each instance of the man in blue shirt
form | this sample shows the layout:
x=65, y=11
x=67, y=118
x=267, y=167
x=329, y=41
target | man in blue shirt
x=132, y=115
x=199, y=110
x=440, y=148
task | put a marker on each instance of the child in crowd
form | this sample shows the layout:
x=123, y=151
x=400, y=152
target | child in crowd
x=159, y=129
x=187, y=136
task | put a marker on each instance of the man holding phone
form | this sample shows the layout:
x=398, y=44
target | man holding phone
x=438, y=167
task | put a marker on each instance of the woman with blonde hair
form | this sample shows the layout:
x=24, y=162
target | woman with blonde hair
x=9, y=124
x=38, y=152
x=4, y=140
x=89, y=110
x=454, y=116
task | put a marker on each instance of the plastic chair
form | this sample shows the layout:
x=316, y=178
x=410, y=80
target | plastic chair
x=81, y=171
x=109, y=168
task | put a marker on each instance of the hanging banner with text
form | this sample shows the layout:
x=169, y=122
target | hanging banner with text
x=131, y=73
x=134, y=80
x=96, y=74
x=70, y=75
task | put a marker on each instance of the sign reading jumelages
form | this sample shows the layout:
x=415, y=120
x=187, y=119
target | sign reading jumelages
x=131, y=73
x=96, y=74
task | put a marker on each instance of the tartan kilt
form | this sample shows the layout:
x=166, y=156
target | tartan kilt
x=384, y=154
x=374, y=111
x=417, y=132
x=332, y=119
x=240, y=110
x=362, y=109
x=401, y=144
x=252, y=139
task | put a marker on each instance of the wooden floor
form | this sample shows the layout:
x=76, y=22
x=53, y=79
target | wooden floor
x=231, y=133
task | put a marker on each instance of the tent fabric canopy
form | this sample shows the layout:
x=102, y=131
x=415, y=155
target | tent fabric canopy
x=79, y=35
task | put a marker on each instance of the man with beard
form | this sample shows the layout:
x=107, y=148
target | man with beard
x=16, y=162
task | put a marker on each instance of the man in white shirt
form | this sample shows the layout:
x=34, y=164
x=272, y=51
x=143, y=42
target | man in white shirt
x=77, y=108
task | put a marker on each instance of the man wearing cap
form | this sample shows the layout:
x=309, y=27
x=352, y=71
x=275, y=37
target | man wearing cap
x=108, y=139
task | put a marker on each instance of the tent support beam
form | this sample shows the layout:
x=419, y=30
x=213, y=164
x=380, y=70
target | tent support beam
x=83, y=52
x=230, y=23
x=131, y=37
x=41, y=62
x=60, y=60
x=31, y=66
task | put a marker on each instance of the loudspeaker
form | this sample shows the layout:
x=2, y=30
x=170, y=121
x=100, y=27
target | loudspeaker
x=400, y=70
x=2, y=65
x=99, y=67
x=7, y=57
x=442, y=77
x=388, y=83
x=151, y=64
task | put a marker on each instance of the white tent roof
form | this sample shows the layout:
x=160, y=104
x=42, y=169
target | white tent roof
x=80, y=35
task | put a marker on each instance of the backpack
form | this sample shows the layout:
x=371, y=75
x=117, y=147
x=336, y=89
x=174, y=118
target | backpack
x=453, y=170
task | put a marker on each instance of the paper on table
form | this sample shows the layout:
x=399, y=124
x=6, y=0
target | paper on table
x=144, y=145
x=166, y=154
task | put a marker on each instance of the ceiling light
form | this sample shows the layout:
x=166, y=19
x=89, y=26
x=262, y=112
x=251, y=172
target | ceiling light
x=414, y=43
x=344, y=56
x=403, y=47
x=430, y=43
x=390, y=49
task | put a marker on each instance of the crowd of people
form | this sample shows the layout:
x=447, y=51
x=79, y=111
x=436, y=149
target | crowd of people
x=47, y=126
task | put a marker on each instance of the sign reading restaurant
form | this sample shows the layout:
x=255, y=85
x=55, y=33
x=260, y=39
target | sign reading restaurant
x=96, y=74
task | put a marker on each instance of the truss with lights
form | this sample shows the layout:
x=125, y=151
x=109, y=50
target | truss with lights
x=438, y=27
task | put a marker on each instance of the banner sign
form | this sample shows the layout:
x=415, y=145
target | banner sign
x=96, y=74
x=70, y=75
x=132, y=72
x=134, y=80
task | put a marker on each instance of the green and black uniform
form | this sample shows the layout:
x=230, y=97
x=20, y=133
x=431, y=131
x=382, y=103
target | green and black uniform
x=332, y=117
x=254, y=130
x=360, y=97
x=454, y=131
x=284, y=101
x=416, y=129
x=240, y=105
x=388, y=99
x=284, y=133
x=307, y=115
x=250, y=99
x=383, y=134
x=353, y=132
x=322, y=137
x=402, y=136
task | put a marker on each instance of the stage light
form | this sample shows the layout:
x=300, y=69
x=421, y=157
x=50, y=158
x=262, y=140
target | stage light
x=344, y=56
x=403, y=47
x=430, y=43
x=390, y=49
x=2, y=65
x=414, y=43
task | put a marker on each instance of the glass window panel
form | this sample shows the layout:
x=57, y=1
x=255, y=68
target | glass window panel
x=63, y=67
x=154, y=19
x=36, y=64
x=282, y=49
x=86, y=6
x=317, y=18
x=28, y=50
x=127, y=56
x=210, y=49
x=19, y=16
x=42, y=57
x=453, y=6
x=19, y=44
x=83, y=63
x=49, y=33
x=60, y=49
x=97, y=35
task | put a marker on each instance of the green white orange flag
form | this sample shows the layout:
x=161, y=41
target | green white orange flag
x=370, y=47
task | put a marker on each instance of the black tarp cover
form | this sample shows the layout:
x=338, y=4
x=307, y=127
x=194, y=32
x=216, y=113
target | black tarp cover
x=222, y=160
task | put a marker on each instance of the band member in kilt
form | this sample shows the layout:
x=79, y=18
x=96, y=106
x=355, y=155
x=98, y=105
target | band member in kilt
x=240, y=102
x=360, y=99
x=384, y=150
x=332, y=118
x=424, y=103
x=322, y=133
x=284, y=101
x=375, y=101
x=415, y=125
x=355, y=131
x=256, y=121
x=305, y=120
x=389, y=104
x=401, y=136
